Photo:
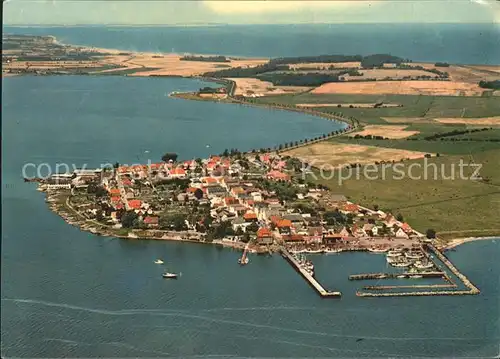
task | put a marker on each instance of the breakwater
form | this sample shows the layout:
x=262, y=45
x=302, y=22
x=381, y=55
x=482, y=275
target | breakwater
x=365, y=276
x=309, y=278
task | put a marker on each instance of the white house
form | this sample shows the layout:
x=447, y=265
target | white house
x=401, y=234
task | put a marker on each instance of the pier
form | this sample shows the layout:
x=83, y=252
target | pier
x=415, y=294
x=366, y=276
x=309, y=278
x=427, y=286
x=472, y=288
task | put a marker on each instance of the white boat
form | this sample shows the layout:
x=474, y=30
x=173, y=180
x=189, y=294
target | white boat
x=394, y=253
x=401, y=276
x=420, y=265
x=168, y=275
x=158, y=261
x=376, y=250
x=416, y=276
x=314, y=251
x=413, y=255
x=243, y=260
x=401, y=264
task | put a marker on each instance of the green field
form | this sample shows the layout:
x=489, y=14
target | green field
x=428, y=107
x=436, y=146
x=454, y=208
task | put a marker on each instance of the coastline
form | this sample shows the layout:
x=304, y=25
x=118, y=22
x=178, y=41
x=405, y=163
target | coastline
x=100, y=229
x=459, y=241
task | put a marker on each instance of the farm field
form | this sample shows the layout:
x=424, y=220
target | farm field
x=444, y=88
x=380, y=74
x=415, y=109
x=392, y=131
x=247, y=86
x=436, y=146
x=339, y=154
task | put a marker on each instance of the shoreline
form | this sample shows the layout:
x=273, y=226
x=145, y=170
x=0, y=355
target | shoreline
x=454, y=243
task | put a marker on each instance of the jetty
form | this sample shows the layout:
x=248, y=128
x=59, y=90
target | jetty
x=366, y=276
x=427, y=286
x=415, y=294
x=309, y=278
x=472, y=288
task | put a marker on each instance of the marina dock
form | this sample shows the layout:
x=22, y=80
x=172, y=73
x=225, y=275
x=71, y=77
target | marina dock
x=415, y=294
x=366, y=276
x=388, y=287
x=309, y=278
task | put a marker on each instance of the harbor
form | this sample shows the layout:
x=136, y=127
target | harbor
x=308, y=276
x=448, y=288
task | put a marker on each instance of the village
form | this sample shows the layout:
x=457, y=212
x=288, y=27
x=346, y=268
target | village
x=256, y=199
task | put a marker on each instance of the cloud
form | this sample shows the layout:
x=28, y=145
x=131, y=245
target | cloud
x=274, y=6
x=491, y=5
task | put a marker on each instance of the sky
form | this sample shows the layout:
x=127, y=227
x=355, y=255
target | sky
x=197, y=12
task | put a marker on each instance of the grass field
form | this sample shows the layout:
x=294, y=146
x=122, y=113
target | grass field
x=426, y=107
x=437, y=146
x=457, y=208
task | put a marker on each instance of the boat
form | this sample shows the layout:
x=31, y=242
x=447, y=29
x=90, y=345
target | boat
x=394, y=253
x=416, y=276
x=168, y=275
x=158, y=261
x=391, y=260
x=401, y=264
x=401, y=276
x=414, y=255
x=244, y=258
x=314, y=251
x=377, y=250
x=421, y=265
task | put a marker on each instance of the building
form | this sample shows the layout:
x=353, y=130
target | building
x=177, y=172
x=264, y=236
x=278, y=176
x=151, y=221
x=59, y=186
x=400, y=233
x=284, y=226
x=250, y=217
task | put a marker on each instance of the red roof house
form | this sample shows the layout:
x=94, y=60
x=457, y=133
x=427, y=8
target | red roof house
x=278, y=176
x=135, y=203
x=151, y=221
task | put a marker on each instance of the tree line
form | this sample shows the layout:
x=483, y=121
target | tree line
x=454, y=133
x=493, y=85
x=219, y=58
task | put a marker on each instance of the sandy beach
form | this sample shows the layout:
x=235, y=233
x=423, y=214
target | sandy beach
x=459, y=241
